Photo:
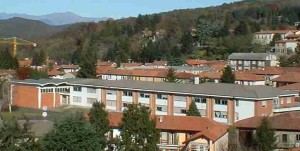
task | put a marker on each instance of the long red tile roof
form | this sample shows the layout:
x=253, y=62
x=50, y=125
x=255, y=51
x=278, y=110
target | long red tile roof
x=295, y=86
x=288, y=77
x=207, y=127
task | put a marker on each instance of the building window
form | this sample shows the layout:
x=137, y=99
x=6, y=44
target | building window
x=220, y=102
x=237, y=103
x=127, y=93
x=183, y=111
x=159, y=108
x=144, y=95
x=284, y=138
x=78, y=89
x=50, y=90
x=91, y=100
x=161, y=96
x=110, y=92
x=264, y=103
x=125, y=104
x=77, y=99
x=298, y=137
x=199, y=100
x=91, y=90
x=288, y=100
x=220, y=114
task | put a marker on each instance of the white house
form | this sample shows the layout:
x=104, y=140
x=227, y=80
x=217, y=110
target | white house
x=286, y=46
x=265, y=37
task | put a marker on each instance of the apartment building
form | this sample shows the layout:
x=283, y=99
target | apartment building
x=221, y=102
x=248, y=61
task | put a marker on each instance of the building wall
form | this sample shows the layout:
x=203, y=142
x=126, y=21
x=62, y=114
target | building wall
x=25, y=96
x=244, y=109
x=264, y=108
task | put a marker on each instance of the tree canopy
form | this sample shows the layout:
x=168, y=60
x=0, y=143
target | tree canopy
x=193, y=110
x=138, y=131
x=227, y=76
x=265, y=136
x=98, y=118
x=72, y=133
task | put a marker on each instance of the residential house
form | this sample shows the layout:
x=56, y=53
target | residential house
x=55, y=74
x=222, y=102
x=248, y=61
x=265, y=37
x=286, y=46
x=241, y=77
x=184, y=77
x=286, y=79
x=196, y=62
x=67, y=68
x=286, y=127
x=101, y=64
x=182, y=132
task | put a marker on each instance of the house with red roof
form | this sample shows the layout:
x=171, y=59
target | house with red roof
x=286, y=127
x=182, y=132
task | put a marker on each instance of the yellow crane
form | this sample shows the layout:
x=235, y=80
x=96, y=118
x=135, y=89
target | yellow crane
x=15, y=42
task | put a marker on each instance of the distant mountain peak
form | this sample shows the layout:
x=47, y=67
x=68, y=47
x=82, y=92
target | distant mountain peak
x=57, y=18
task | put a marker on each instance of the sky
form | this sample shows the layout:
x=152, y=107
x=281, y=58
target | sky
x=102, y=8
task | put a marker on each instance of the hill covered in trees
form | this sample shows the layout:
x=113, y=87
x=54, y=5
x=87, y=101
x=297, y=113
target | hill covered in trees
x=26, y=28
x=204, y=33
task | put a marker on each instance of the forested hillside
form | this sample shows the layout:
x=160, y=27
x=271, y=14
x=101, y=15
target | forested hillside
x=27, y=29
x=204, y=33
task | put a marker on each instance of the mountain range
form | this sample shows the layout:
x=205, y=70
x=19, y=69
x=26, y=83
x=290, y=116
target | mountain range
x=54, y=18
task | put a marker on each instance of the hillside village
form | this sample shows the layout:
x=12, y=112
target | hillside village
x=229, y=82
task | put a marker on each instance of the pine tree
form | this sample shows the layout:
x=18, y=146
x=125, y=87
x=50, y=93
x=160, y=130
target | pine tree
x=42, y=57
x=7, y=61
x=241, y=29
x=265, y=136
x=193, y=111
x=99, y=120
x=187, y=42
x=228, y=76
x=88, y=61
x=171, y=76
x=72, y=133
x=14, y=137
x=138, y=131
x=35, y=59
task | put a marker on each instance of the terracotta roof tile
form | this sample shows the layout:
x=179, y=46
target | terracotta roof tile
x=239, y=75
x=208, y=127
x=25, y=63
x=196, y=62
x=288, y=77
x=160, y=63
x=277, y=122
x=136, y=72
x=210, y=75
x=295, y=86
x=269, y=71
x=55, y=72
x=293, y=36
x=185, y=75
x=104, y=63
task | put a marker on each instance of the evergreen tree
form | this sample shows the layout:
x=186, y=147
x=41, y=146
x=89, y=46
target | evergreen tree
x=193, y=111
x=38, y=74
x=35, y=59
x=187, y=42
x=42, y=57
x=241, y=29
x=88, y=61
x=7, y=61
x=138, y=131
x=227, y=76
x=265, y=136
x=204, y=30
x=14, y=137
x=99, y=120
x=171, y=76
x=74, y=134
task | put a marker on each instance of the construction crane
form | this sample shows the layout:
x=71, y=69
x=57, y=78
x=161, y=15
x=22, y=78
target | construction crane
x=15, y=42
